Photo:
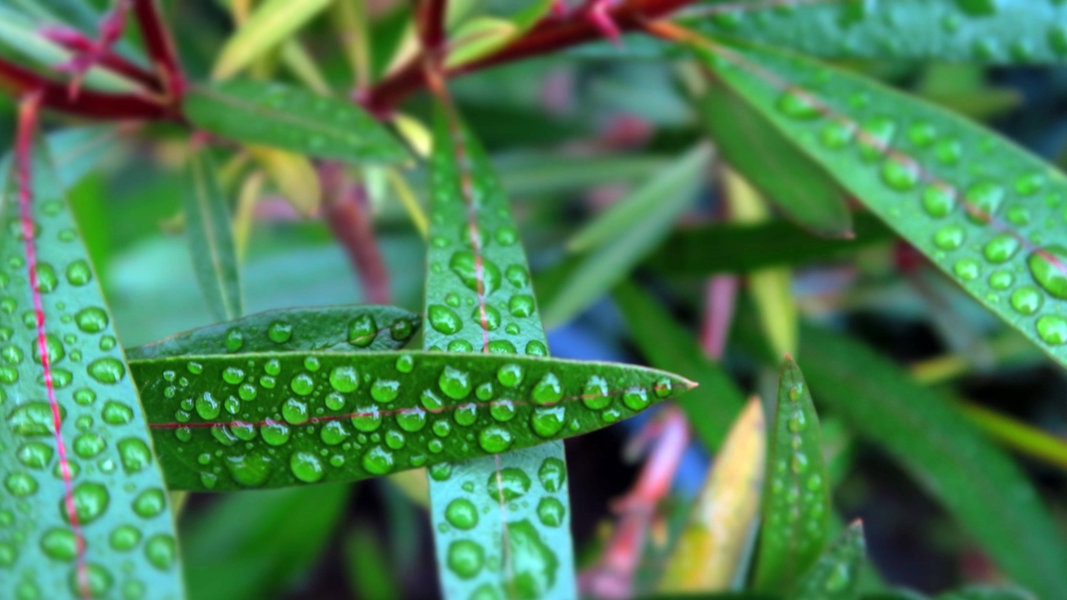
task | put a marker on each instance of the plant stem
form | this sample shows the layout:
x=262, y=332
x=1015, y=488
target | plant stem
x=160, y=48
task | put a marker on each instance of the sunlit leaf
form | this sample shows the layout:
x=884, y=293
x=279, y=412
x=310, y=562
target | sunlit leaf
x=210, y=236
x=98, y=465
x=272, y=22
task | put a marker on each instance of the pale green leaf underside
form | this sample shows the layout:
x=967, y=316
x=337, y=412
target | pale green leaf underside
x=117, y=488
x=978, y=31
x=209, y=234
x=986, y=212
x=479, y=297
x=234, y=421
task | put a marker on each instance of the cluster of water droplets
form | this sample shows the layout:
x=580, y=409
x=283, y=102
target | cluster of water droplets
x=994, y=215
x=107, y=455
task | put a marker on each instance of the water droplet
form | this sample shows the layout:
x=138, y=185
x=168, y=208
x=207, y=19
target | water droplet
x=950, y=237
x=233, y=375
x=378, y=461
x=552, y=474
x=494, y=440
x=124, y=538
x=405, y=363
x=1052, y=329
x=430, y=401
x=502, y=410
x=367, y=419
x=249, y=470
x=99, y=581
x=462, y=514
x=344, y=379
x=33, y=419
x=938, y=200
x=384, y=390
x=160, y=550
x=333, y=433
x=90, y=502
x=466, y=266
x=107, y=370
x=441, y=471
x=1001, y=280
x=635, y=399
x=35, y=455
x=149, y=503
x=835, y=134
x=20, y=485
x=901, y=174
x=465, y=558
x=295, y=412
x=454, y=383
x=983, y=199
x=1001, y=248
x=510, y=375
x=444, y=319
x=547, y=422
x=534, y=563
x=91, y=320
x=306, y=467
x=274, y=434
x=967, y=269
x=548, y=390
x=411, y=420
x=551, y=512
x=79, y=273
x=517, y=276
x=798, y=104
x=362, y=331
x=1026, y=300
x=89, y=445
x=465, y=414
x=1049, y=268
x=510, y=483
x=460, y=346
x=522, y=305
x=134, y=454
x=948, y=151
x=536, y=348
x=280, y=332
x=207, y=406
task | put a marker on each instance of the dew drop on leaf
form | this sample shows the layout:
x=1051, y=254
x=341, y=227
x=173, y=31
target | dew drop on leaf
x=1049, y=268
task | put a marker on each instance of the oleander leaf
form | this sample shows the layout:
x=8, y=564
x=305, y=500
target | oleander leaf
x=209, y=234
x=479, y=297
x=308, y=329
x=269, y=25
x=98, y=465
x=980, y=31
x=983, y=210
x=836, y=574
x=291, y=118
x=258, y=420
x=796, y=492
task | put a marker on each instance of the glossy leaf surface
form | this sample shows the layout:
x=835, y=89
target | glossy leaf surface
x=981, y=31
x=270, y=24
x=836, y=574
x=976, y=482
x=210, y=237
x=99, y=465
x=509, y=534
x=986, y=212
x=310, y=329
x=292, y=119
x=224, y=422
x=796, y=498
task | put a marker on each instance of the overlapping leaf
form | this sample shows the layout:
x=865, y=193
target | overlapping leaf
x=99, y=464
x=210, y=237
x=269, y=25
x=986, y=212
x=509, y=535
x=836, y=574
x=981, y=31
x=290, y=118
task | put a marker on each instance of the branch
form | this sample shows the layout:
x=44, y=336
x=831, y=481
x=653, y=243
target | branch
x=160, y=48
x=552, y=33
x=77, y=42
x=98, y=105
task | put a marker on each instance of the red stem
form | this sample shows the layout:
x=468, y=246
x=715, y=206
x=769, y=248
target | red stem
x=160, y=48
x=552, y=33
x=345, y=210
x=77, y=42
x=19, y=81
x=431, y=23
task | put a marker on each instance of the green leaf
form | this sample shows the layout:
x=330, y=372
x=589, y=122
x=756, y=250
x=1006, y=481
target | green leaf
x=801, y=189
x=100, y=461
x=210, y=237
x=670, y=192
x=982, y=31
x=796, y=493
x=986, y=212
x=234, y=421
x=78, y=150
x=714, y=405
x=977, y=483
x=739, y=248
x=291, y=118
x=270, y=23
x=836, y=575
x=369, y=572
x=311, y=329
x=272, y=538
x=477, y=265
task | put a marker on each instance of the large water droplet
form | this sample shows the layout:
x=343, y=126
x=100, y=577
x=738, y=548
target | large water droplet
x=454, y=383
x=90, y=502
x=444, y=319
x=465, y=558
x=548, y=390
x=107, y=370
x=249, y=470
x=60, y=544
x=149, y=503
x=509, y=484
x=494, y=440
x=134, y=454
x=306, y=467
x=1026, y=300
x=1049, y=268
x=552, y=474
x=362, y=331
x=462, y=514
x=378, y=461
x=551, y=512
x=798, y=104
x=384, y=390
x=1052, y=329
x=547, y=422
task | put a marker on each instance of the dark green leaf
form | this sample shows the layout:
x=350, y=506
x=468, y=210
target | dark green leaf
x=790, y=181
x=731, y=248
x=100, y=462
x=210, y=236
x=224, y=422
x=311, y=329
x=984, y=31
x=479, y=297
x=796, y=493
x=987, y=213
x=712, y=407
x=270, y=538
x=836, y=575
x=368, y=570
x=293, y=119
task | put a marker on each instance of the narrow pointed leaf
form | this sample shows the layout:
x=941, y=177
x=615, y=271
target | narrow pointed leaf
x=986, y=212
x=479, y=297
x=796, y=494
x=976, y=482
x=234, y=421
x=710, y=408
x=310, y=329
x=714, y=543
x=292, y=119
x=269, y=24
x=836, y=575
x=788, y=179
x=100, y=461
x=210, y=237
x=702, y=250
x=596, y=272
x=993, y=32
